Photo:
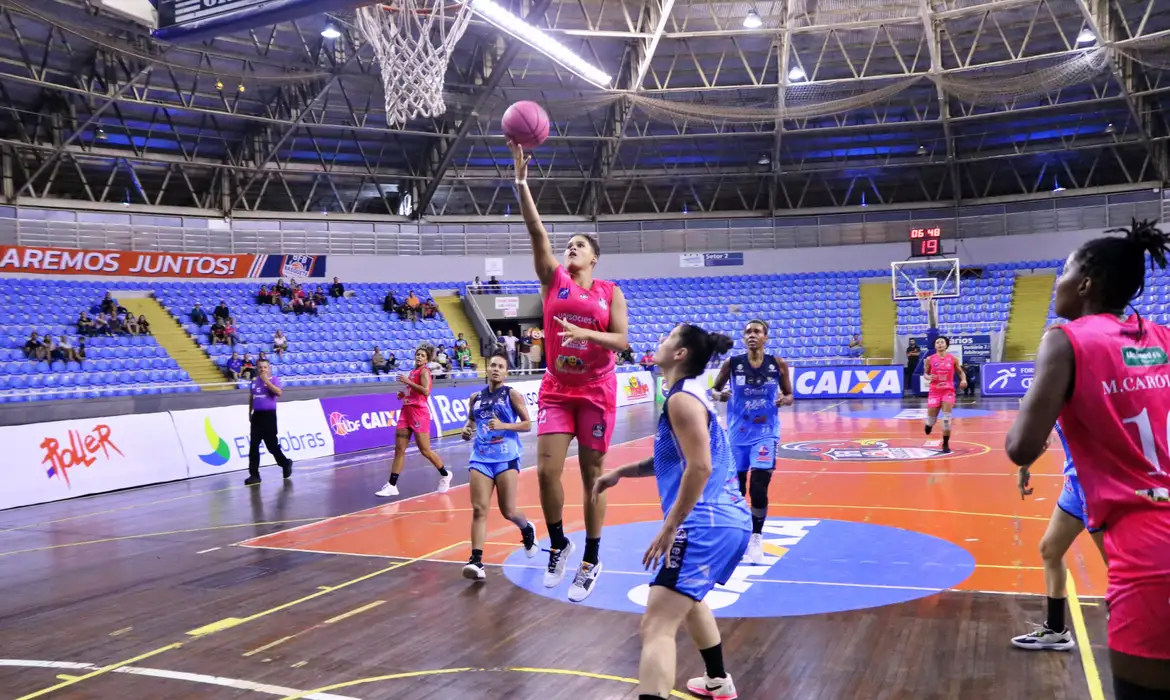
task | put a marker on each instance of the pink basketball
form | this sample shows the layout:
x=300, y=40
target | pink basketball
x=525, y=123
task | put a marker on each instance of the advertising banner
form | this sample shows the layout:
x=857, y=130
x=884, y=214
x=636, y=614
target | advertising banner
x=42, y=260
x=217, y=440
x=710, y=259
x=634, y=388
x=846, y=382
x=975, y=349
x=1007, y=378
x=52, y=461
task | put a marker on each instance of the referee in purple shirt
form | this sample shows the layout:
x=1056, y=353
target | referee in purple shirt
x=262, y=408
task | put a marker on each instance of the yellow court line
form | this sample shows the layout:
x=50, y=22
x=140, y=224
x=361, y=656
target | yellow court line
x=1088, y=661
x=355, y=611
x=103, y=670
x=469, y=669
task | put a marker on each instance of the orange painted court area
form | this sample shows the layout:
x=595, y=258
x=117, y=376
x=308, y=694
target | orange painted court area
x=877, y=471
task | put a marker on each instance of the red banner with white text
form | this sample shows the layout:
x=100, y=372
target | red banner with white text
x=37, y=260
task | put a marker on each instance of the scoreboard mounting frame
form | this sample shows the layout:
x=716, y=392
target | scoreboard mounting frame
x=926, y=241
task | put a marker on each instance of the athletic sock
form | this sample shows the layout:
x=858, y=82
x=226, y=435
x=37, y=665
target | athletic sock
x=476, y=556
x=758, y=525
x=442, y=471
x=1055, y=620
x=713, y=658
x=743, y=478
x=393, y=479
x=592, y=545
x=556, y=535
x=644, y=696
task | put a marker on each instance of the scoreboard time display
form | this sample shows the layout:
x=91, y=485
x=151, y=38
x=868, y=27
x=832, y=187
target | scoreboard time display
x=926, y=242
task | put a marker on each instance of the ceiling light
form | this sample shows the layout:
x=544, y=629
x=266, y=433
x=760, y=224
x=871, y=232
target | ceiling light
x=1109, y=128
x=752, y=20
x=540, y=41
x=1058, y=188
x=330, y=31
x=1086, y=36
x=796, y=73
x=765, y=159
x=922, y=150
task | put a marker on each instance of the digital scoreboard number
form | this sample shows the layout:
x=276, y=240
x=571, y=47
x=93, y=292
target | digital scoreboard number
x=925, y=242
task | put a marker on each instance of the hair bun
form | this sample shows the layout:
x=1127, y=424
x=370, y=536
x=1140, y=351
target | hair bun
x=721, y=343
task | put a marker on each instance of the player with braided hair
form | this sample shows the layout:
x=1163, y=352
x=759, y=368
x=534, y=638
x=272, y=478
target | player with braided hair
x=415, y=419
x=1105, y=375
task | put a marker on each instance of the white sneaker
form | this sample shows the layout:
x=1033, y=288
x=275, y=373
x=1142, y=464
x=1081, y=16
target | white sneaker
x=445, y=482
x=755, y=549
x=718, y=688
x=1044, y=639
x=556, y=565
x=387, y=491
x=474, y=572
x=584, y=581
x=528, y=536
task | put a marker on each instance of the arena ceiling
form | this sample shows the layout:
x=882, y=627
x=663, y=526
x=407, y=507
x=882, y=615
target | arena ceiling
x=828, y=103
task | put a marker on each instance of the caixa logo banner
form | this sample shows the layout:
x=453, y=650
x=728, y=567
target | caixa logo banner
x=846, y=382
x=1007, y=378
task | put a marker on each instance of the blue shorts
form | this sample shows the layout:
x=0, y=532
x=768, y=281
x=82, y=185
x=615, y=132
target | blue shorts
x=1072, y=501
x=701, y=558
x=493, y=469
x=758, y=455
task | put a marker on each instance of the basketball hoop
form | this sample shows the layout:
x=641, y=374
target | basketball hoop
x=413, y=42
x=925, y=298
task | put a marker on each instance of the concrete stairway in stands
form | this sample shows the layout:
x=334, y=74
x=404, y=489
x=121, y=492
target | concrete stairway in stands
x=177, y=342
x=1031, y=297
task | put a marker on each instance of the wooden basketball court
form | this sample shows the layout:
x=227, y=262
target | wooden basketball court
x=891, y=573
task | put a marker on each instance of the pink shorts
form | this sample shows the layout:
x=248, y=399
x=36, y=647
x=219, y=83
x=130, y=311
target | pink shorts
x=416, y=419
x=937, y=397
x=1138, y=546
x=586, y=411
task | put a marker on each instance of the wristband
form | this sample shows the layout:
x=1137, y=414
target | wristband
x=522, y=182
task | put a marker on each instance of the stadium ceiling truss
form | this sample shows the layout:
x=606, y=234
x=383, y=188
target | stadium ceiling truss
x=828, y=103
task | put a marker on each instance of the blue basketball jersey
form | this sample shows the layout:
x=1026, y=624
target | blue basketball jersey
x=751, y=410
x=721, y=504
x=494, y=445
x=1070, y=469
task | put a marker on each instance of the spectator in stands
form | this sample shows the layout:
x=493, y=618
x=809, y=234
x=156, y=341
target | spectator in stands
x=79, y=352
x=493, y=285
x=198, y=315
x=234, y=367
x=972, y=372
x=378, y=362
x=280, y=289
x=856, y=349
x=221, y=312
x=443, y=360
x=412, y=304
x=430, y=309
x=286, y=305
x=266, y=297
x=84, y=324
x=231, y=333
x=463, y=356
x=389, y=304
x=319, y=297
x=34, y=349
x=913, y=355
x=626, y=357
x=218, y=333
x=101, y=325
x=131, y=324
x=476, y=287
x=116, y=325
x=279, y=343
x=391, y=360
x=248, y=367
x=309, y=305
x=108, y=305
x=143, y=325
x=337, y=290
x=510, y=342
x=647, y=360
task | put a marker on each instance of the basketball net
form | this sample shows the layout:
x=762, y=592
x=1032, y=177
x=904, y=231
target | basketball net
x=929, y=305
x=412, y=43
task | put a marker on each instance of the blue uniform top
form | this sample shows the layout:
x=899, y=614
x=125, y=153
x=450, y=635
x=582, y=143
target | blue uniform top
x=491, y=446
x=751, y=410
x=721, y=504
x=1070, y=469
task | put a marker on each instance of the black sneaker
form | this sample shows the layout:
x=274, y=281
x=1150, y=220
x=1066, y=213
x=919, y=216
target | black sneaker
x=528, y=537
x=928, y=428
x=252, y=481
x=288, y=470
x=473, y=570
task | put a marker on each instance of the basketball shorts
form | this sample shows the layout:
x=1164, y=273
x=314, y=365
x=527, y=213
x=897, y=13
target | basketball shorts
x=493, y=469
x=1072, y=501
x=700, y=559
x=759, y=455
x=586, y=411
x=1138, y=546
x=937, y=397
x=416, y=419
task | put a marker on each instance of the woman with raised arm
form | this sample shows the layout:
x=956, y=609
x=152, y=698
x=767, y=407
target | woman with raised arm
x=586, y=322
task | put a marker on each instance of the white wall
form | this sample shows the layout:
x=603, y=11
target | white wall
x=972, y=251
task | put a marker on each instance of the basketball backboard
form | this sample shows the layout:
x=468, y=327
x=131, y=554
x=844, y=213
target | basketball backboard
x=182, y=21
x=938, y=275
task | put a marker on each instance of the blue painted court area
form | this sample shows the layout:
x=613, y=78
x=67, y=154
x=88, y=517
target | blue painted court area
x=810, y=567
x=899, y=413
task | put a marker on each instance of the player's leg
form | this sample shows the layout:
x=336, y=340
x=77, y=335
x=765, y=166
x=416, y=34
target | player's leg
x=933, y=404
x=763, y=463
x=724, y=548
x=715, y=681
x=665, y=611
x=948, y=405
x=507, y=483
x=482, y=485
x=401, y=442
x=422, y=437
x=741, y=455
x=554, y=433
x=1063, y=529
x=595, y=422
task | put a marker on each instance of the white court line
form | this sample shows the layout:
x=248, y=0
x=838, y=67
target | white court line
x=177, y=676
x=205, y=551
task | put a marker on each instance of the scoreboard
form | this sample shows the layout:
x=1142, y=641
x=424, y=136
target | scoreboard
x=926, y=242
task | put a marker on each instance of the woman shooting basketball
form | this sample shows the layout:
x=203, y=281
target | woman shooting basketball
x=586, y=323
x=1105, y=376
x=940, y=372
x=415, y=419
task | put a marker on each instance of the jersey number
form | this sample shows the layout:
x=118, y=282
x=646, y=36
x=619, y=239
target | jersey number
x=1146, y=434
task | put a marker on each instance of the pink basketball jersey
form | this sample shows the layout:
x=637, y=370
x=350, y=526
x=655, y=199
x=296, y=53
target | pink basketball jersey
x=575, y=364
x=414, y=398
x=942, y=372
x=1117, y=419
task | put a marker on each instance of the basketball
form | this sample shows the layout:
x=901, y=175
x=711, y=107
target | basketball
x=525, y=123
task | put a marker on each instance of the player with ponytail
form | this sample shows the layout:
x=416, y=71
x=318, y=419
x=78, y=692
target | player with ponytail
x=707, y=522
x=1105, y=375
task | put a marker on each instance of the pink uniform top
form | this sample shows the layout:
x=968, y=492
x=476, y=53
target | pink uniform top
x=577, y=364
x=941, y=369
x=1117, y=418
x=414, y=398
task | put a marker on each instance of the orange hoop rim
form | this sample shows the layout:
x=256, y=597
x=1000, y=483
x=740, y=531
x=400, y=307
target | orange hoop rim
x=451, y=6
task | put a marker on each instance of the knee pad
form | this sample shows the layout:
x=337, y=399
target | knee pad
x=931, y=420
x=946, y=421
x=758, y=489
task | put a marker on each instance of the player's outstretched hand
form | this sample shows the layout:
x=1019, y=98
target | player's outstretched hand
x=1023, y=478
x=605, y=482
x=659, y=547
x=520, y=160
